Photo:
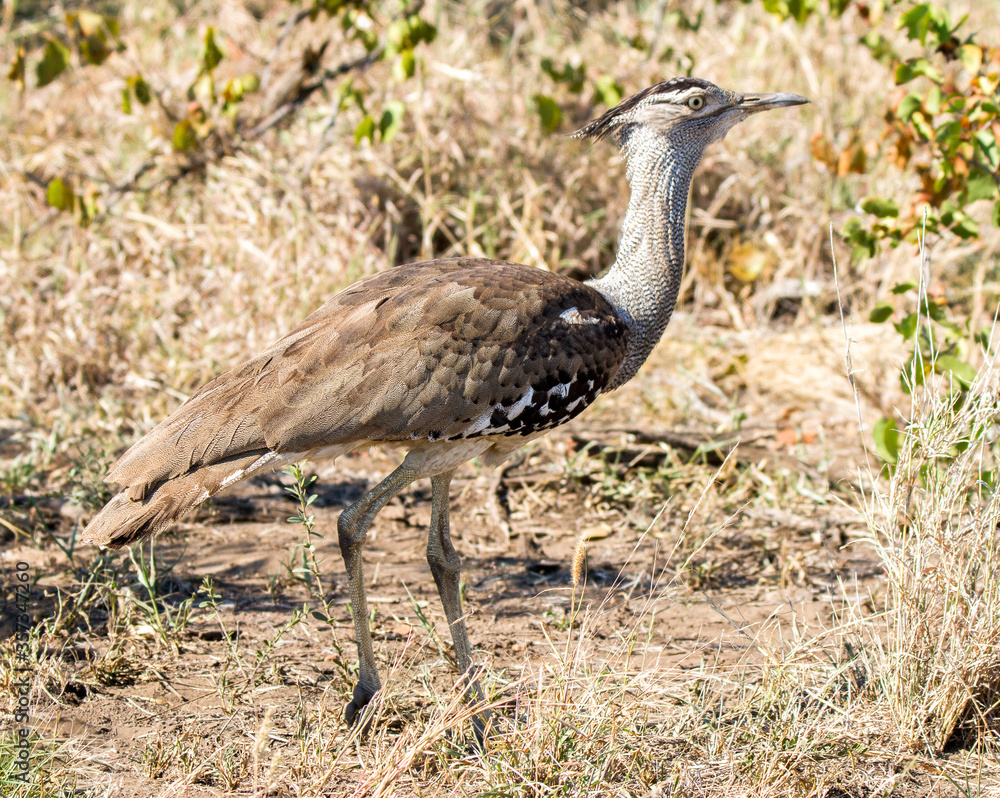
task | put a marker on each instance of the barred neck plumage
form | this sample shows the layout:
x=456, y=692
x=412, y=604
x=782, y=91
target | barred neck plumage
x=644, y=282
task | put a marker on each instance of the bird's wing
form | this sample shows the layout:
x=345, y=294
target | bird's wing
x=437, y=359
x=437, y=350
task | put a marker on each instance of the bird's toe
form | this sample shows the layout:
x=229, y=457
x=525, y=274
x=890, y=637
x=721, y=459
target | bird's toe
x=355, y=713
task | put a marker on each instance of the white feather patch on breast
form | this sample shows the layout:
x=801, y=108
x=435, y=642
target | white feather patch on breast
x=573, y=316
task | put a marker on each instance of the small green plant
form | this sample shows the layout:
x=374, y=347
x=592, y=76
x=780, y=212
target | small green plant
x=157, y=758
x=168, y=624
x=231, y=765
x=939, y=346
x=27, y=470
x=303, y=566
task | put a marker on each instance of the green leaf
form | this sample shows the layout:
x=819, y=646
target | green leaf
x=881, y=312
x=924, y=67
x=995, y=218
x=987, y=144
x=916, y=21
x=971, y=57
x=250, y=83
x=141, y=89
x=902, y=288
x=367, y=37
x=934, y=100
x=235, y=89
x=907, y=326
x=956, y=103
x=421, y=30
x=880, y=206
x=184, y=136
x=95, y=49
x=405, y=66
x=572, y=76
x=908, y=105
x=365, y=129
x=961, y=370
x=88, y=207
x=91, y=23
x=212, y=55
x=914, y=68
x=549, y=112
x=862, y=241
x=126, y=100
x=319, y=616
x=933, y=309
x=608, y=90
x=392, y=120
x=966, y=227
x=886, y=437
x=879, y=46
x=920, y=124
x=203, y=89
x=949, y=134
x=351, y=96
x=55, y=58
x=16, y=72
x=59, y=195
x=397, y=36
x=981, y=185
x=801, y=9
x=91, y=33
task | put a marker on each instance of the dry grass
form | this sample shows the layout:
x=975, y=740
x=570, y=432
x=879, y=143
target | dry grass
x=891, y=687
x=934, y=527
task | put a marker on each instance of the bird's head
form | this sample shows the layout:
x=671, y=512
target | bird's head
x=685, y=111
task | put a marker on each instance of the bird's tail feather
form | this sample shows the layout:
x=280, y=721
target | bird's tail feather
x=138, y=513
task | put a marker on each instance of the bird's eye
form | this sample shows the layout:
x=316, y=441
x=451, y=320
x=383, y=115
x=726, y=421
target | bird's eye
x=696, y=103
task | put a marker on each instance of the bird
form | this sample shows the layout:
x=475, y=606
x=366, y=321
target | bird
x=447, y=360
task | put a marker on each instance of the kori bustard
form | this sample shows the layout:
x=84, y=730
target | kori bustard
x=449, y=360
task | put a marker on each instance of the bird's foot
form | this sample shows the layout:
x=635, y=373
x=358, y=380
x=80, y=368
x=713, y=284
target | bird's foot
x=355, y=712
x=482, y=726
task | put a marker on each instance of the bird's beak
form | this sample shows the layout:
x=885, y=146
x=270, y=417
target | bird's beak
x=765, y=102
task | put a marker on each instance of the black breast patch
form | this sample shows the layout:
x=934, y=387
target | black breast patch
x=581, y=360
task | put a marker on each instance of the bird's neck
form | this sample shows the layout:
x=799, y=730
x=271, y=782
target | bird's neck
x=644, y=282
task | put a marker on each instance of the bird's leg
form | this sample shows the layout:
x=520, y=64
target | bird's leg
x=352, y=528
x=446, y=568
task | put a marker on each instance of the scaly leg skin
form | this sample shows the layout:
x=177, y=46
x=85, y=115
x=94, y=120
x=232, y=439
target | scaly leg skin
x=352, y=528
x=446, y=568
